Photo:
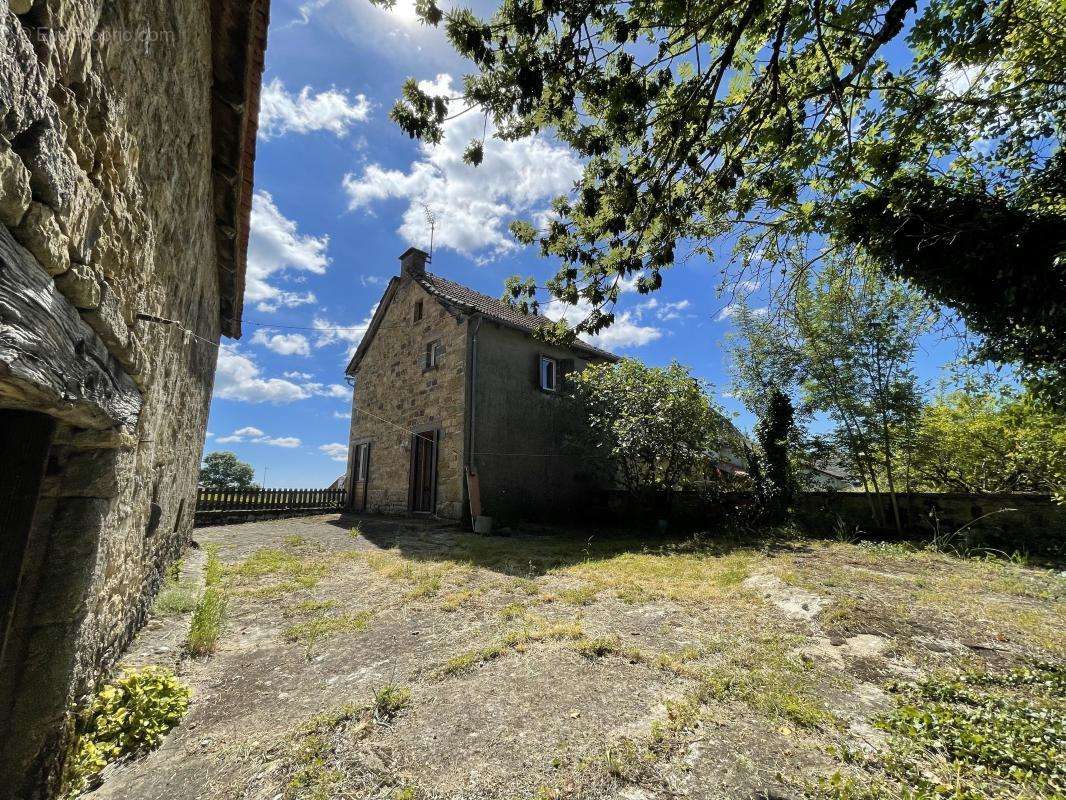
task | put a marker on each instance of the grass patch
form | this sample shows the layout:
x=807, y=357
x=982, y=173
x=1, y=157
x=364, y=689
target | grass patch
x=208, y=619
x=300, y=572
x=425, y=586
x=311, y=631
x=666, y=573
x=765, y=676
x=389, y=701
x=464, y=662
x=538, y=629
x=295, y=541
x=318, y=760
x=512, y=611
x=213, y=569
x=599, y=647
x=175, y=596
x=454, y=601
x=581, y=596
x=354, y=532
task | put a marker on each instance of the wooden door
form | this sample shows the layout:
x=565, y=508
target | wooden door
x=360, y=476
x=424, y=472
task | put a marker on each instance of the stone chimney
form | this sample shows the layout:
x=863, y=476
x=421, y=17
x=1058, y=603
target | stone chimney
x=413, y=262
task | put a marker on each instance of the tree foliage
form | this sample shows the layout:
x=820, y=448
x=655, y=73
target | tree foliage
x=654, y=425
x=999, y=262
x=846, y=345
x=753, y=122
x=980, y=441
x=223, y=470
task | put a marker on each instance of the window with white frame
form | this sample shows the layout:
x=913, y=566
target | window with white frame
x=434, y=353
x=549, y=377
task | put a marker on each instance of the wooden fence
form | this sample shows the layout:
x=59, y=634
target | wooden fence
x=220, y=504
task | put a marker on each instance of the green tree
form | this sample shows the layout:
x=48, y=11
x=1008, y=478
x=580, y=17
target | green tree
x=654, y=425
x=846, y=345
x=759, y=124
x=223, y=470
x=980, y=441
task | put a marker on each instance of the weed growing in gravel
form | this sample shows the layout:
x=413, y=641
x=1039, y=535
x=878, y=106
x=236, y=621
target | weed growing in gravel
x=208, y=619
x=213, y=569
x=322, y=626
x=464, y=662
x=596, y=648
x=455, y=600
x=389, y=701
x=176, y=596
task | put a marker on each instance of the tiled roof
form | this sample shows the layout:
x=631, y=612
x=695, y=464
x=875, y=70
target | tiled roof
x=466, y=299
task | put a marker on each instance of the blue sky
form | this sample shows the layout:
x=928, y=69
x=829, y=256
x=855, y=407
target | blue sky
x=340, y=193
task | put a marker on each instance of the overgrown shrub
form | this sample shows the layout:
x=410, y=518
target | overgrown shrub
x=127, y=716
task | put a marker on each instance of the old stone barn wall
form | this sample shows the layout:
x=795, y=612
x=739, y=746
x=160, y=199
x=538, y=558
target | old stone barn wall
x=394, y=395
x=110, y=119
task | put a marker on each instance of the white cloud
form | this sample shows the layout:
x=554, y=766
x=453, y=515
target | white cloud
x=624, y=332
x=332, y=332
x=281, y=112
x=472, y=205
x=281, y=441
x=238, y=377
x=338, y=390
x=335, y=450
x=256, y=436
x=287, y=344
x=299, y=376
x=342, y=414
x=664, y=311
x=275, y=246
x=373, y=280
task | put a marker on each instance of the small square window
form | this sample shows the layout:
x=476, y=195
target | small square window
x=548, y=374
x=434, y=353
x=418, y=310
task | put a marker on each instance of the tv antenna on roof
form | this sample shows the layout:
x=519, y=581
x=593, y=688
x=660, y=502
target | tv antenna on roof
x=431, y=219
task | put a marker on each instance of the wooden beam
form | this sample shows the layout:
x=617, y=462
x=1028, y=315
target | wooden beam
x=50, y=359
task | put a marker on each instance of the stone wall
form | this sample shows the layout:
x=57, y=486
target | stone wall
x=105, y=178
x=394, y=395
x=1029, y=523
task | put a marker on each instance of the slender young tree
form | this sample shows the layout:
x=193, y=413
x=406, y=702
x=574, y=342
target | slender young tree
x=848, y=341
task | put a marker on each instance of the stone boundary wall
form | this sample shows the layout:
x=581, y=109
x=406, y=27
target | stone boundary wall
x=1035, y=524
x=1031, y=523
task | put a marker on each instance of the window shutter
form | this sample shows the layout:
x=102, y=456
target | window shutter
x=536, y=370
x=566, y=366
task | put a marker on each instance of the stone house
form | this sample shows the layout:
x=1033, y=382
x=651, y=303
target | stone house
x=457, y=406
x=127, y=139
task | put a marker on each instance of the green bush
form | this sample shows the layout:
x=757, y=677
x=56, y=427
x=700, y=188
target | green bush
x=127, y=716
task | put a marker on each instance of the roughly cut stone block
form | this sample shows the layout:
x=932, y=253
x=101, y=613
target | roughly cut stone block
x=23, y=90
x=80, y=286
x=39, y=233
x=106, y=319
x=90, y=473
x=14, y=187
